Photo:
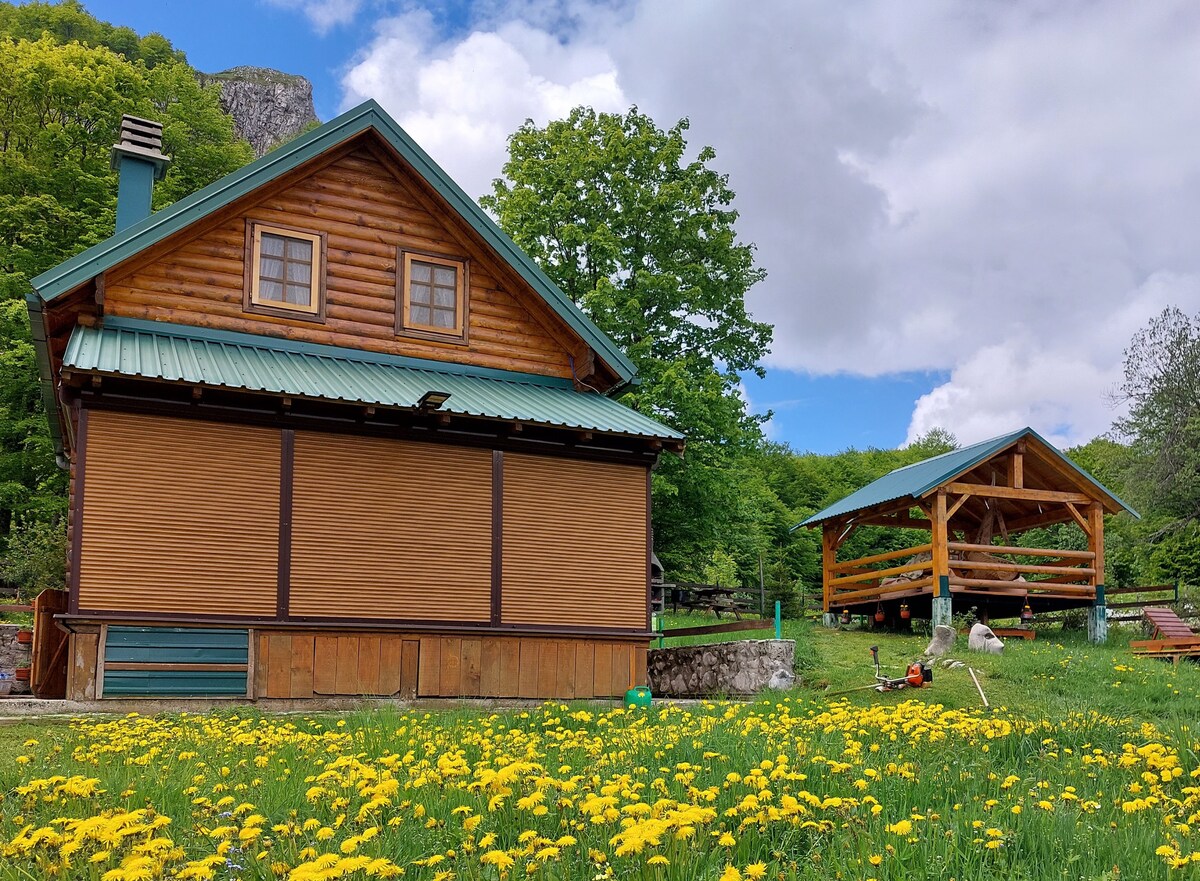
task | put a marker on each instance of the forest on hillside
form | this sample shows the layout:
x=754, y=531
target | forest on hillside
x=648, y=248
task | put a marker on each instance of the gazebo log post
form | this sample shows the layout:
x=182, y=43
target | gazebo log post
x=1098, y=613
x=828, y=559
x=941, y=604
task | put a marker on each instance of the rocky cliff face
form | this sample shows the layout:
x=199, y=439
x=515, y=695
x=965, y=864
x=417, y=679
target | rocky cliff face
x=268, y=107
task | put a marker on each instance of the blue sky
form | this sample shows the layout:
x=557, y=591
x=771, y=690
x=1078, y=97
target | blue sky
x=965, y=212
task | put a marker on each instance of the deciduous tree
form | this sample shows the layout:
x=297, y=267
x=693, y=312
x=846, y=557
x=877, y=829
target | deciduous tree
x=643, y=239
x=65, y=81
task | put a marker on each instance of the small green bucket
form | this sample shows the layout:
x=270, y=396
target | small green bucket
x=638, y=696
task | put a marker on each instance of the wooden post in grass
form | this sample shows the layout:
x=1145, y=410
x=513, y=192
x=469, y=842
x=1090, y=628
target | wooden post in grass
x=942, y=611
x=828, y=559
x=1098, y=613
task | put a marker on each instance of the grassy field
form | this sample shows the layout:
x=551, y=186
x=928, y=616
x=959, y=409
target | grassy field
x=1086, y=767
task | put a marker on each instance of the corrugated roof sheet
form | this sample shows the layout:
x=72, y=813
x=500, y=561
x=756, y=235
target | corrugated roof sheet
x=919, y=478
x=176, y=353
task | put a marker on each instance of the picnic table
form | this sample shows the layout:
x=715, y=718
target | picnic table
x=711, y=598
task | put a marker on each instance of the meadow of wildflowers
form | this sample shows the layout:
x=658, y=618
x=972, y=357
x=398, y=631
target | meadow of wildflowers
x=797, y=786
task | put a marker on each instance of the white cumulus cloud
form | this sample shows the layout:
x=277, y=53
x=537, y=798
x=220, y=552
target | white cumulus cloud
x=1003, y=192
x=460, y=99
x=323, y=14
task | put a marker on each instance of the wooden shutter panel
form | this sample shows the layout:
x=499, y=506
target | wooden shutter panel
x=179, y=516
x=574, y=543
x=389, y=529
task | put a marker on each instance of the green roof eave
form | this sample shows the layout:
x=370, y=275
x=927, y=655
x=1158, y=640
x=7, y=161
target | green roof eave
x=921, y=478
x=369, y=115
x=160, y=351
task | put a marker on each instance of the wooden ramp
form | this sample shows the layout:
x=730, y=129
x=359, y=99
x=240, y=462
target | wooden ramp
x=1171, y=637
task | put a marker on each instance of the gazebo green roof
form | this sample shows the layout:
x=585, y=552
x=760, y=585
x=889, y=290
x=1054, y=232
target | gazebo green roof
x=919, y=479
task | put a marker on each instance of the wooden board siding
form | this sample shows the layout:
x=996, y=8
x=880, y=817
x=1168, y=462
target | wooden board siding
x=333, y=664
x=307, y=665
x=390, y=529
x=179, y=516
x=574, y=544
x=535, y=667
x=367, y=214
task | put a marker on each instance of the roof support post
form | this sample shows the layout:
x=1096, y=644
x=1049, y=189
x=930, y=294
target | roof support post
x=1098, y=614
x=828, y=559
x=940, y=540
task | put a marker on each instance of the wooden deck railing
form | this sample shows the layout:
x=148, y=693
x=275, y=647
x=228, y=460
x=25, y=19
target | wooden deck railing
x=1062, y=573
x=858, y=581
x=1058, y=573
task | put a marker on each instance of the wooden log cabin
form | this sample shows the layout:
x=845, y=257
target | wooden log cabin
x=332, y=434
x=973, y=502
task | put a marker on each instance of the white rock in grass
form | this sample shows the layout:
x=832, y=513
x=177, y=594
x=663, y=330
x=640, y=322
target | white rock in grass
x=782, y=680
x=983, y=640
x=942, y=642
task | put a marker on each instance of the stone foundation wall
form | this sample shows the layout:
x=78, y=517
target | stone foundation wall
x=13, y=655
x=739, y=668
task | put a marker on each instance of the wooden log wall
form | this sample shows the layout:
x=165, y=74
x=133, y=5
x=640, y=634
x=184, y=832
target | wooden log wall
x=368, y=214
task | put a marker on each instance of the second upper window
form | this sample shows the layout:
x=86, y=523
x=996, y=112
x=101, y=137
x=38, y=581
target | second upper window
x=432, y=296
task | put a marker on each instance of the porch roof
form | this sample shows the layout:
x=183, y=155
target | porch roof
x=224, y=359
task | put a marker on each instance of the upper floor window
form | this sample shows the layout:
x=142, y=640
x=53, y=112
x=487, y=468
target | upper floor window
x=286, y=272
x=432, y=296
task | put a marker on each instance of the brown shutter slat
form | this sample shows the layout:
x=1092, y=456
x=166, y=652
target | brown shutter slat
x=179, y=516
x=390, y=529
x=574, y=544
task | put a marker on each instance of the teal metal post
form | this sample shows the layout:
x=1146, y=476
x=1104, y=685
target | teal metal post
x=778, y=622
x=942, y=612
x=1098, y=617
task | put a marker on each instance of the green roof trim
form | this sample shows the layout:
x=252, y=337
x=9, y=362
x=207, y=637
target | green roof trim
x=368, y=115
x=914, y=481
x=225, y=359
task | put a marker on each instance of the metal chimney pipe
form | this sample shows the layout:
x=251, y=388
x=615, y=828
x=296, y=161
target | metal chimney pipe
x=139, y=161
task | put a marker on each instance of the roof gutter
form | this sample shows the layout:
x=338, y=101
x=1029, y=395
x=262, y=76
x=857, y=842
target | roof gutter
x=54, y=414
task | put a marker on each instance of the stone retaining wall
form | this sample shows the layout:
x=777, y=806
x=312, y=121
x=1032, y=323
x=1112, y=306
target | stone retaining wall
x=739, y=668
x=13, y=655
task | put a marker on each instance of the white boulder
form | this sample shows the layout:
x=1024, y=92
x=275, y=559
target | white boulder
x=942, y=642
x=982, y=639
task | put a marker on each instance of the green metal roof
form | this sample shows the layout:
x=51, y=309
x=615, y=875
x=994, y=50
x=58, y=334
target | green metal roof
x=224, y=359
x=914, y=481
x=369, y=115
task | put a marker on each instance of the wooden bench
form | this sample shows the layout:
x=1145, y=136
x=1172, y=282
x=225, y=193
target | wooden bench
x=1007, y=632
x=1171, y=638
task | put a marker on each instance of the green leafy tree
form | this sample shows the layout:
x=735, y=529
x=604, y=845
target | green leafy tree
x=65, y=81
x=69, y=22
x=643, y=240
x=1162, y=389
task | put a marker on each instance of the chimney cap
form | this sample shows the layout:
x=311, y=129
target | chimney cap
x=141, y=139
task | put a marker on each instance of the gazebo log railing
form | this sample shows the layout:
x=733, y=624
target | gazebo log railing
x=1063, y=574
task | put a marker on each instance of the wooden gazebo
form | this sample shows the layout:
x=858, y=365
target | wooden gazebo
x=972, y=501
